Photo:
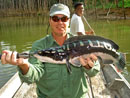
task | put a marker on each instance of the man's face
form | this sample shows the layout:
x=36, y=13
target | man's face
x=59, y=24
x=80, y=10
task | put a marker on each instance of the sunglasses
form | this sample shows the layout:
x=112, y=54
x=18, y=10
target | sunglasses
x=57, y=19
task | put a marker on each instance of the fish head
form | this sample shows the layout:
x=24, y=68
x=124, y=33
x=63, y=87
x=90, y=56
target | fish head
x=46, y=52
x=51, y=53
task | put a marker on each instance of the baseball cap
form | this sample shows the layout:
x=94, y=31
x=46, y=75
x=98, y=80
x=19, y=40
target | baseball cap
x=59, y=9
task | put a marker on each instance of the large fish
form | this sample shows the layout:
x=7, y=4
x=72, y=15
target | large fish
x=74, y=47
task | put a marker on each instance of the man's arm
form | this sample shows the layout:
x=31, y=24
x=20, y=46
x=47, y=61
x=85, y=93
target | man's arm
x=9, y=57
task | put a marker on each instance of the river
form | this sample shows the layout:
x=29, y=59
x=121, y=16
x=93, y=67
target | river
x=18, y=34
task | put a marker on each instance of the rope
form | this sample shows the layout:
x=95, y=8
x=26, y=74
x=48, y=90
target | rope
x=89, y=25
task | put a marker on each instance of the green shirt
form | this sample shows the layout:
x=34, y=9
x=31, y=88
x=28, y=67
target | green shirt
x=53, y=80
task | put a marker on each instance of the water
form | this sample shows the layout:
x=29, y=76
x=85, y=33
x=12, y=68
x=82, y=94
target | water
x=18, y=34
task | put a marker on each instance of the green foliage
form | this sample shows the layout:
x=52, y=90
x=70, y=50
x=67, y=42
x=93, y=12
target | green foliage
x=126, y=3
x=107, y=5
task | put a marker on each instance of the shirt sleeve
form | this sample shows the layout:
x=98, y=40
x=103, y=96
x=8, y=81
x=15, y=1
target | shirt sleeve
x=79, y=25
x=36, y=69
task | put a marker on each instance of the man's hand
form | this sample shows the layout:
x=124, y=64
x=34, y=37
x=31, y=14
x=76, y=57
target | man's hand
x=88, y=62
x=89, y=32
x=9, y=57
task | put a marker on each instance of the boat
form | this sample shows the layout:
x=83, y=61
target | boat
x=108, y=83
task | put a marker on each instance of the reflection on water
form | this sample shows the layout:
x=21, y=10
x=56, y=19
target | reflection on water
x=18, y=34
x=6, y=71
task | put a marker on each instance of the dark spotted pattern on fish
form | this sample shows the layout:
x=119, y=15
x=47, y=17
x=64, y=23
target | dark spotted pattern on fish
x=74, y=47
x=77, y=46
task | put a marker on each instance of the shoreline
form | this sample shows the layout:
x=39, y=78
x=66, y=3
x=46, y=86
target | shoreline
x=111, y=14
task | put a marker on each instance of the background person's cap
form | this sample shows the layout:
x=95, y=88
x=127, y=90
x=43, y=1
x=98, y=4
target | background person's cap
x=59, y=9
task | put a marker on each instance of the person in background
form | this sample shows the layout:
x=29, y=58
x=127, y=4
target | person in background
x=76, y=24
x=53, y=80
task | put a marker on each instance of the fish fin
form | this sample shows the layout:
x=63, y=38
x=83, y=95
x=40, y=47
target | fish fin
x=75, y=62
x=68, y=65
x=99, y=58
x=121, y=62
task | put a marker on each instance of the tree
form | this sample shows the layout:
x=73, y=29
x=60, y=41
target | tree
x=116, y=3
x=123, y=9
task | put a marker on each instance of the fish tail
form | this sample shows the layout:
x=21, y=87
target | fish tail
x=122, y=62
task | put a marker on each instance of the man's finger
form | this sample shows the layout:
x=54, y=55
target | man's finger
x=82, y=61
x=20, y=61
x=93, y=57
x=90, y=63
x=3, y=61
x=13, y=58
x=8, y=56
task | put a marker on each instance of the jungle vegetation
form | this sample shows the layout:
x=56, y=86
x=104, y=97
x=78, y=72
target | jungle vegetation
x=40, y=7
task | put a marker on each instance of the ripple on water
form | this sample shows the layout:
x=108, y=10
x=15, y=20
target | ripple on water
x=6, y=72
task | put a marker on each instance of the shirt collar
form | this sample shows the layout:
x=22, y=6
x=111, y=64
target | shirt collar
x=51, y=40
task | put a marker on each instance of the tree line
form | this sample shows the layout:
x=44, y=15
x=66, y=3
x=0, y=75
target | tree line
x=28, y=6
x=41, y=6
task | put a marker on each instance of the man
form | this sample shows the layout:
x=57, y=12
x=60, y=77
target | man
x=77, y=26
x=53, y=80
